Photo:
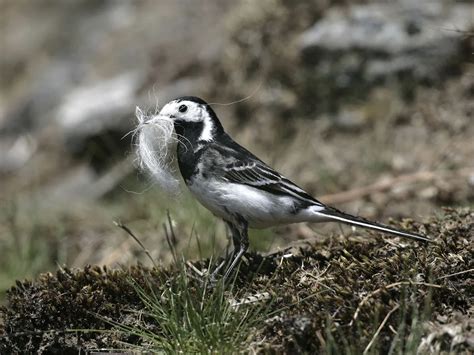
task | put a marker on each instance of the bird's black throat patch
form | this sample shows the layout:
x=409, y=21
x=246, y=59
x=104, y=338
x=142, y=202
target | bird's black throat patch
x=188, y=134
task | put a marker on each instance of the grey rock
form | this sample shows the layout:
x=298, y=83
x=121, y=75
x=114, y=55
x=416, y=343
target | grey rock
x=389, y=27
x=32, y=109
x=89, y=110
x=355, y=47
x=15, y=152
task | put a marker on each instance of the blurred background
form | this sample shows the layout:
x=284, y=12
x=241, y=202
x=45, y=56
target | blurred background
x=366, y=104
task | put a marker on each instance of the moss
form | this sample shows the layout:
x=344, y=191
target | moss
x=316, y=294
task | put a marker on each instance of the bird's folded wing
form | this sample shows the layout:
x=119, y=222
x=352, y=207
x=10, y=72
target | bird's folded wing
x=261, y=176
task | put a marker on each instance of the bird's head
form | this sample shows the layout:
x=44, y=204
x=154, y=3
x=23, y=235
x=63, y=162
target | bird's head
x=193, y=118
x=184, y=123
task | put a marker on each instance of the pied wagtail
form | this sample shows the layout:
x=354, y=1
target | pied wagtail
x=237, y=186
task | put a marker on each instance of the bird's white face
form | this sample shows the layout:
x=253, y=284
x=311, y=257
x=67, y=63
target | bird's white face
x=192, y=117
x=185, y=111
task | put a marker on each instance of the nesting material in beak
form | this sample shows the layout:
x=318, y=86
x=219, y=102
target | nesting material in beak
x=156, y=150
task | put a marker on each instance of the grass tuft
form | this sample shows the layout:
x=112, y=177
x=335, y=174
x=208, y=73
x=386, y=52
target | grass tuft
x=191, y=317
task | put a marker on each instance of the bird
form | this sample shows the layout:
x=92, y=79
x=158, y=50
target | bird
x=238, y=187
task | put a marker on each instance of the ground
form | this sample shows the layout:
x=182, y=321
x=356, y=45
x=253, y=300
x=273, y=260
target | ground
x=345, y=294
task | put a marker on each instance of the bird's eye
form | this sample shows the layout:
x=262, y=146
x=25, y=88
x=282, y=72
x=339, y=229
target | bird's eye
x=183, y=108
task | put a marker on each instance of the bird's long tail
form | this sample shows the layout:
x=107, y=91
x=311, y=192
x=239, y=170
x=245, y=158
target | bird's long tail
x=332, y=214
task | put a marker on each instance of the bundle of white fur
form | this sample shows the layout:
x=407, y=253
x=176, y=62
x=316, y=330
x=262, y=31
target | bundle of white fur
x=156, y=150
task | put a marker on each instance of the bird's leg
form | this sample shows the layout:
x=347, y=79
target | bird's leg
x=241, y=244
x=235, y=236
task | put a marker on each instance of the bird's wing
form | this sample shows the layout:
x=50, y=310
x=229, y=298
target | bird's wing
x=242, y=167
x=260, y=176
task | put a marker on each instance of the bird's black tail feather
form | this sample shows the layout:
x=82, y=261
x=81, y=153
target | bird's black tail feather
x=333, y=214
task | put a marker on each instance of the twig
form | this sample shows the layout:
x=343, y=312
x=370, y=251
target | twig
x=380, y=328
x=130, y=233
x=173, y=235
x=32, y=332
x=388, y=287
x=319, y=278
x=170, y=244
x=385, y=184
x=258, y=297
x=392, y=330
x=455, y=274
x=321, y=339
x=51, y=331
x=194, y=268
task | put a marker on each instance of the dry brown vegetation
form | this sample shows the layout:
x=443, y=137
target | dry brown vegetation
x=337, y=295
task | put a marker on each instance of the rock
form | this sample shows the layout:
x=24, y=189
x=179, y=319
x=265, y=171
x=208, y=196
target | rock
x=30, y=109
x=354, y=48
x=90, y=110
x=16, y=151
x=350, y=120
x=82, y=84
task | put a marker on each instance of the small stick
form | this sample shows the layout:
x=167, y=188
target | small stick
x=380, y=328
x=392, y=330
x=258, y=297
x=170, y=244
x=385, y=184
x=388, y=287
x=130, y=233
x=455, y=274
x=194, y=268
x=173, y=236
